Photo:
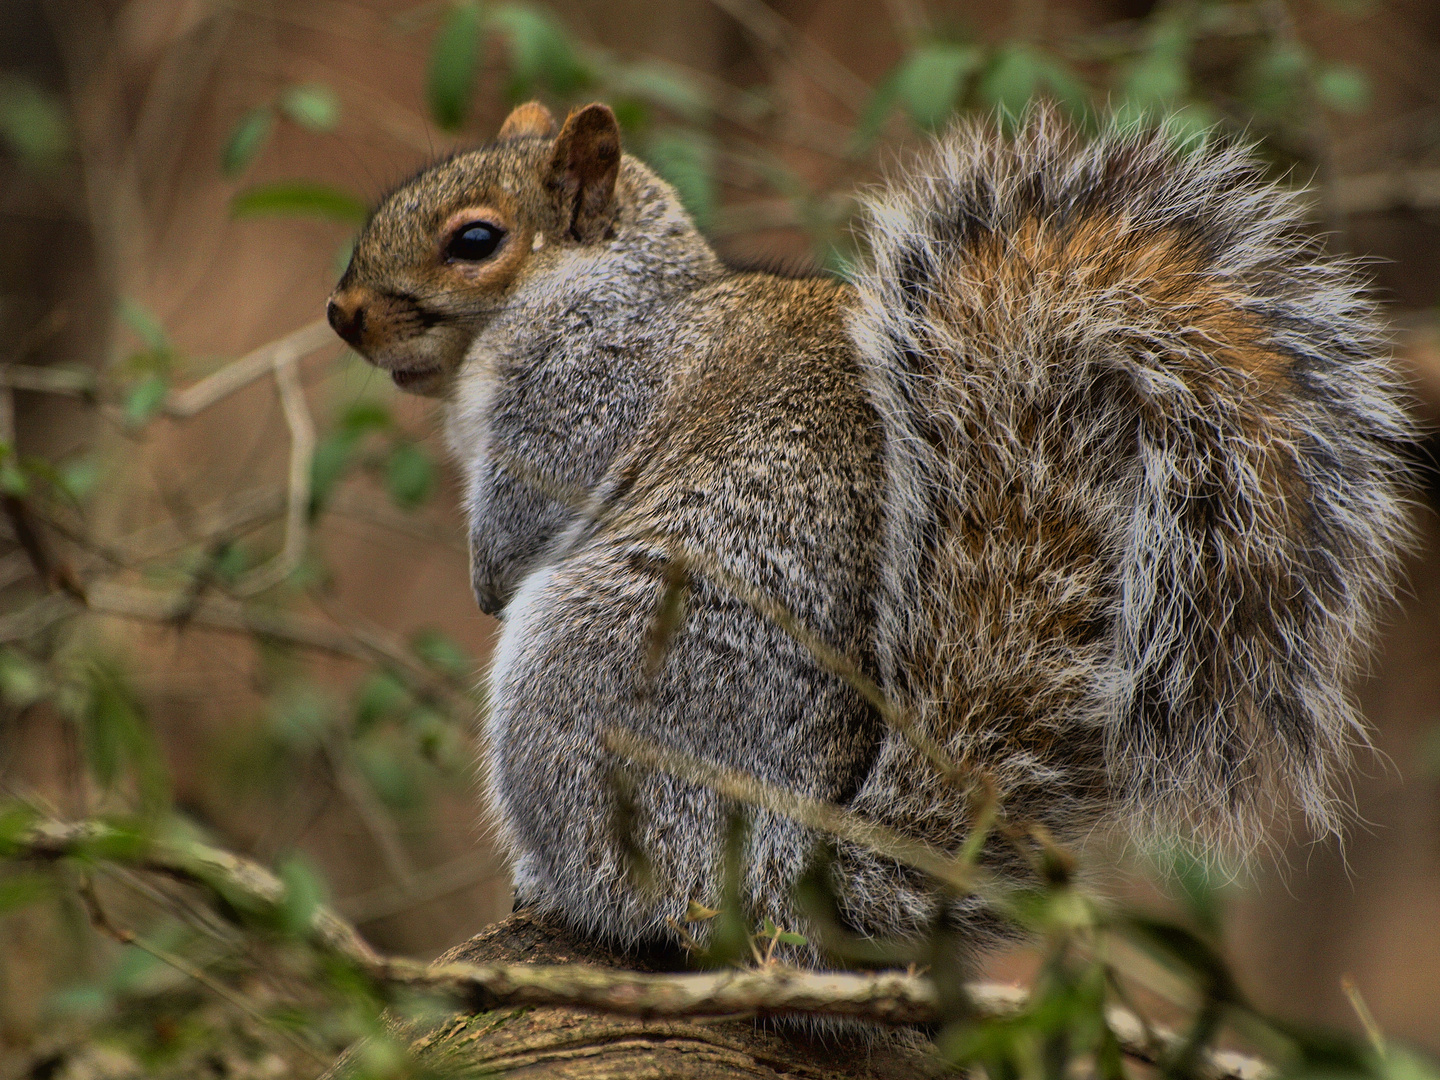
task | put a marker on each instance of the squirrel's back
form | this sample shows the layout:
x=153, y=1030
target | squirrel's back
x=1143, y=487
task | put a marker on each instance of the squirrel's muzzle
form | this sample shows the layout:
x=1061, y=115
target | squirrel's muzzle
x=347, y=317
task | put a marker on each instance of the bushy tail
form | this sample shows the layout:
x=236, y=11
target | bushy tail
x=1144, y=481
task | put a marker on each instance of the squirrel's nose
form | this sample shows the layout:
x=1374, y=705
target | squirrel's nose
x=347, y=316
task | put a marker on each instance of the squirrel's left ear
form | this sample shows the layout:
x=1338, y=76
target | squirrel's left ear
x=583, y=169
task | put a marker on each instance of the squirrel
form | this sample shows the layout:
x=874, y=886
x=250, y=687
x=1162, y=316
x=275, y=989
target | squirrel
x=1094, y=465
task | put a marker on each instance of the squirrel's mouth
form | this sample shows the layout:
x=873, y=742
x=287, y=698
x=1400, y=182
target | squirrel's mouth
x=427, y=381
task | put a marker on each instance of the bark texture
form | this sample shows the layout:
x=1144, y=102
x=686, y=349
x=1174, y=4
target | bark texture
x=566, y=1044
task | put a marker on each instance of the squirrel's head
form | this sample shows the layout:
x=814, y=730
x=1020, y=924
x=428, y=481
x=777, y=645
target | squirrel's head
x=441, y=255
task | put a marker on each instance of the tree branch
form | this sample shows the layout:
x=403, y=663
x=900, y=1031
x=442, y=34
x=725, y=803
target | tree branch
x=892, y=998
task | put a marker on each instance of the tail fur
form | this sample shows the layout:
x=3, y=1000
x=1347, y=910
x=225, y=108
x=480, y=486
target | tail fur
x=1145, y=486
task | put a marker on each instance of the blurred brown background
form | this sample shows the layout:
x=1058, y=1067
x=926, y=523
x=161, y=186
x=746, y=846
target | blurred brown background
x=138, y=209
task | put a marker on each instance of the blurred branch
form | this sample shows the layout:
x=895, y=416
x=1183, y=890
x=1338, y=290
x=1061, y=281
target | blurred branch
x=821, y=816
x=47, y=380
x=372, y=813
x=302, y=454
x=425, y=886
x=778, y=34
x=894, y=998
x=269, y=357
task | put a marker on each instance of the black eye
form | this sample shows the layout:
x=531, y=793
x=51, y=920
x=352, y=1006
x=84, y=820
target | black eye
x=475, y=241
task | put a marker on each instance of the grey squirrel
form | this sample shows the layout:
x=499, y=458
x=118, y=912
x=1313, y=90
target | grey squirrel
x=1094, y=466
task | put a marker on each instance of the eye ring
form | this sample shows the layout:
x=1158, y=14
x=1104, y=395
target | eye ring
x=474, y=241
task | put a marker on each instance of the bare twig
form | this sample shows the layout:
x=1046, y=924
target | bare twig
x=881, y=998
x=1363, y=1013
x=777, y=33
x=427, y=885
x=47, y=380
x=254, y=364
x=102, y=922
x=373, y=815
x=821, y=816
x=302, y=455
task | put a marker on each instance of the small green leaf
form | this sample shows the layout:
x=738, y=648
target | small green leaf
x=13, y=479
x=146, y=326
x=390, y=774
x=22, y=682
x=33, y=122
x=409, y=474
x=931, y=80
x=312, y=106
x=301, y=716
x=365, y=416
x=877, y=111
x=18, y=890
x=1276, y=77
x=300, y=197
x=328, y=465
x=540, y=52
x=659, y=84
x=1344, y=88
x=785, y=937
x=16, y=821
x=686, y=159
x=443, y=653
x=304, y=893
x=78, y=477
x=145, y=399
x=246, y=140
x=1019, y=73
x=698, y=912
x=454, y=60
x=381, y=695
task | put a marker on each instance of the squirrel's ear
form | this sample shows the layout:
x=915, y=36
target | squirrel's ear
x=532, y=118
x=583, y=169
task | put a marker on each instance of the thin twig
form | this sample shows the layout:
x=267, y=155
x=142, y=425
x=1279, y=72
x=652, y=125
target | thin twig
x=882, y=998
x=1362, y=1010
x=820, y=816
x=427, y=885
x=101, y=921
x=240, y=373
x=302, y=456
x=372, y=814
x=778, y=34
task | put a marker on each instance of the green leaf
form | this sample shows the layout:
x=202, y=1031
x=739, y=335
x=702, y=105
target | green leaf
x=443, y=653
x=877, y=111
x=115, y=732
x=390, y=774
x=686, y=159
x=540, y=52
x=931, y=79
x=16, y=820
x=659, y=84
x=381, y=695
x=1276, y=78
x=1019, y=73
x=33, y=122
x=312, y=106
x=13, y=479
x=454, y=60
x=328, y=465
x=365, y=416
x=145, y=398
x=1344, y=88
x=785, y=937
x=300, y=197
x=22, y=682
x=21, y=889
x=78, y=477
x=301, y=716
x=409, y=474
x=246, y=140
x=304, y=893
x=146, y=326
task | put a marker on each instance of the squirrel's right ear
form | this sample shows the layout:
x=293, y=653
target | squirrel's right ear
x=583, y=169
